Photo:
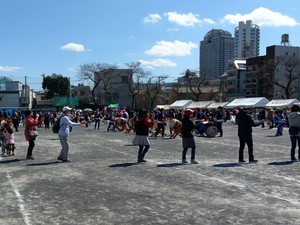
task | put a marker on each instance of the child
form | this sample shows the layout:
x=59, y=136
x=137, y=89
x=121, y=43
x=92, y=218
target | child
x=279, y=121
x=141, y=138
x=3, y=142
x=111, y=122
x=9, y=135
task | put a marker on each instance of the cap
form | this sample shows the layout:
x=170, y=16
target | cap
x=188, y=112
x=65, y=108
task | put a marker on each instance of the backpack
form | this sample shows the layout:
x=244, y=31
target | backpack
x=56, y=126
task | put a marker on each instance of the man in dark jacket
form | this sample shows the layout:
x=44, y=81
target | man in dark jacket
x=262, y=116
x=188, y=140
x=245, y=124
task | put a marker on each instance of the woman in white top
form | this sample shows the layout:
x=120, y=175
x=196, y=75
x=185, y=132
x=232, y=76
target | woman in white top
x=64, y=132
x=294, y=122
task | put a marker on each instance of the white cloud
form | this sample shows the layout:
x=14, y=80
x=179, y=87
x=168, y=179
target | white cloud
x=73, y=47
x=262, y=17
x=72, y=69
x=158, y=63
x=9, y=68
x=208, y=21
x=152, y=18
x=176, y=48
x=183, y=19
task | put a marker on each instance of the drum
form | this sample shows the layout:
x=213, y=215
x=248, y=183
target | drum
x=211, y=131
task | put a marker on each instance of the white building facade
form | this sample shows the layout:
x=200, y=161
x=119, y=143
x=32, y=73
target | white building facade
x=14, y=95
x=246, y=40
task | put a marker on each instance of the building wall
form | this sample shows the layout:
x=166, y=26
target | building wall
x=14, y=95
x=82, y=92
x=9, y=99
x=276, y=52
x=257, y=85
x=117, y=88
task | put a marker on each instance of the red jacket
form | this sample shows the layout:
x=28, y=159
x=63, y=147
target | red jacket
x=30, y=124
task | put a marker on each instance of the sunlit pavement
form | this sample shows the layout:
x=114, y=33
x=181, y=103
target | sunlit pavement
x=105, y=185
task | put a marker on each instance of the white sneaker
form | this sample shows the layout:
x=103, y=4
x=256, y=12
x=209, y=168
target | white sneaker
x=184, y=161
x=193, y=161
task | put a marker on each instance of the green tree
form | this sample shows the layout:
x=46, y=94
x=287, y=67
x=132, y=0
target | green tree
x=56, y=86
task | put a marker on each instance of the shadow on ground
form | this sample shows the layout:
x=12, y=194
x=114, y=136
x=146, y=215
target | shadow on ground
x=10, y=161
x=224, y=165
x=171, y=165
x=43, y=164
x=123, y=165
x=283, y=163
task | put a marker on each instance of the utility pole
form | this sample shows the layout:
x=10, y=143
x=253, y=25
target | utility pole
x=43, y=75
x=26, y=93
x=69, y=90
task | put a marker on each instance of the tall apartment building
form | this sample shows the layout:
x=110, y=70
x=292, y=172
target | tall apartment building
x=246, y=40
x=216, y=49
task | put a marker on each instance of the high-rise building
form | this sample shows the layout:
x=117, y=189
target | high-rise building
x=246, y=40
x=216, y=50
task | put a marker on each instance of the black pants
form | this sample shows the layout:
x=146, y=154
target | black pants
x=97, y=124
x=160, y=127
x=295, y=140
x=142, y=151
x=243, y=141
x=220, y=128
x=30, y=148
x=193, y=153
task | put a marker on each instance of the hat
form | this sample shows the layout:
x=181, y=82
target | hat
x=66, y=108
x=188, y=112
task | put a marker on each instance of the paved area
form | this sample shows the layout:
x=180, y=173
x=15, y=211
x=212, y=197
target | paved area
x=105, y=185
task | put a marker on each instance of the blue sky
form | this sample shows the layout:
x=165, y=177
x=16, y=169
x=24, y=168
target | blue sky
x=44, y=37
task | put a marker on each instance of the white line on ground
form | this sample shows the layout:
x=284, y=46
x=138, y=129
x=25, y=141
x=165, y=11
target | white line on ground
x=21, y=203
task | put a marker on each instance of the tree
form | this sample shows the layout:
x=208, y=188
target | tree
x=283, y=72
x=56, y=86
x=153, y=90
x=174, y=93
x=96, y=73
x=196, y=82
x=134, y=80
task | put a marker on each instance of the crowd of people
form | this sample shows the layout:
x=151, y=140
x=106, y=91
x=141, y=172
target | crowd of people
x=145, y=123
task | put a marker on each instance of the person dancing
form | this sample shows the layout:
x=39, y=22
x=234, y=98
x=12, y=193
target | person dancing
x=142, y=130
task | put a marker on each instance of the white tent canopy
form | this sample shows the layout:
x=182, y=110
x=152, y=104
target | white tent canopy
x=248, y=102
x=278, y=103
x=180, y=104
x=162, y=107
x=201, y=104
x=215, y=105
